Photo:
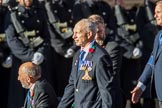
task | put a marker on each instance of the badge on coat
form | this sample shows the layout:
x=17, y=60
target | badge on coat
x=86, y=66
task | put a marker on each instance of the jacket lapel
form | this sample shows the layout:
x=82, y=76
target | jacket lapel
x=75, y=66
x=25, y=103
x=158, y=47
x=159, y=51
x=35, y=96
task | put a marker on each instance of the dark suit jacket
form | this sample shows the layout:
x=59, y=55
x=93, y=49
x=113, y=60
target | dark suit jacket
x=31, y=21
x=44, y=95
x=95, y=93
x=153, y=69
x=115, y=53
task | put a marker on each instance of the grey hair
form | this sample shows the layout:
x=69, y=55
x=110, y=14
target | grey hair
x=89, y=25
x=97, y=19
x=34, y=71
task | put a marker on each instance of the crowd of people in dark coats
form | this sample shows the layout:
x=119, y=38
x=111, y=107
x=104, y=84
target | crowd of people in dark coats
x=41, y=32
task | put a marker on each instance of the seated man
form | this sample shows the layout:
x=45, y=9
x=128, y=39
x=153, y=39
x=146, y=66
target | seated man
x=40, y=94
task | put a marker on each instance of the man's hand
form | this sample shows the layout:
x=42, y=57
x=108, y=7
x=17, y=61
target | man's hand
x=37, y=58
x=136, y=94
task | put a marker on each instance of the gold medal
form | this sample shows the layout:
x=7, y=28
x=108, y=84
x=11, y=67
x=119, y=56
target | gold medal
x=86, y=75
x=86, y=67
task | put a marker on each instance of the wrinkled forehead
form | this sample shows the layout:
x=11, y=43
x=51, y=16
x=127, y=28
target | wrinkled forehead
x=79, y=27
x=27, y=65
x=158, y=7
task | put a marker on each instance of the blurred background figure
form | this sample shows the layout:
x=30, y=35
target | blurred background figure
x=59, y=16
x=133, y=22
x=5, y=64
x=62, y=27
x=5, y=58
x=152, y=71
x=115, y=53
x=28, y=37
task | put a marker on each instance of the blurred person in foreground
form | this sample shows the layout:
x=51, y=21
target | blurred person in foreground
x=40, y=94
x=91, y=81
x=152, y=71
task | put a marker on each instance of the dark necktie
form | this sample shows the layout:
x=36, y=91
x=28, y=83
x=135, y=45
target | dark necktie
x=81, y=56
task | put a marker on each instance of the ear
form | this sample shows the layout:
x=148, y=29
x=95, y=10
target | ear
x=89, y=34
x=28, y=79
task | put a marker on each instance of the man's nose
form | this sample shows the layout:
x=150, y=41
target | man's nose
x=74, y=36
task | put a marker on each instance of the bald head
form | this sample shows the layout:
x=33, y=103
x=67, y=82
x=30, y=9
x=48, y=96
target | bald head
x=87, y=25
x=84, y=32
x=30, y=69
x=28, y=74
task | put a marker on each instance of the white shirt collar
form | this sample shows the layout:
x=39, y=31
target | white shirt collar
x=32, y=87
x=86, y=49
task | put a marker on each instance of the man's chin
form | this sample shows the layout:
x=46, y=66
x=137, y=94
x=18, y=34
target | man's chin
x=25, y=87
x=77, y=44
